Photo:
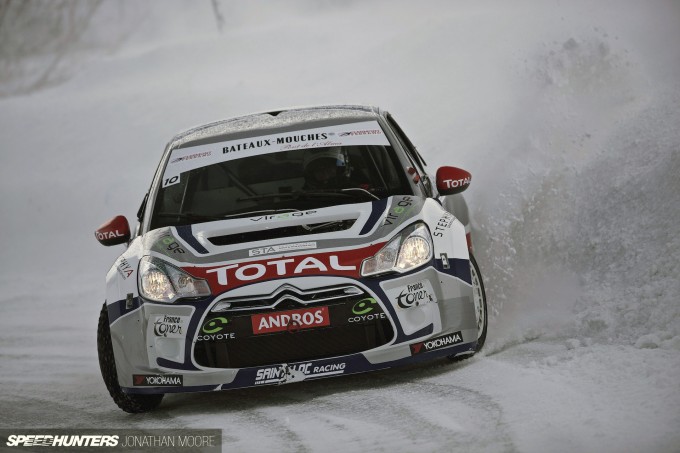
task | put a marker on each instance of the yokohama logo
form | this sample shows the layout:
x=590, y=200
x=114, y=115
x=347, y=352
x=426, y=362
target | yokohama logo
x=156, y=380
x=437, y=343
x=291, y=320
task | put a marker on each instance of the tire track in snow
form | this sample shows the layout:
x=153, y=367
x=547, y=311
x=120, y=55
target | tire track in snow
x=495, y=435
x=386, y=411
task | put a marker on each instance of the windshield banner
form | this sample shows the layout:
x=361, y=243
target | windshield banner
x=185, y=159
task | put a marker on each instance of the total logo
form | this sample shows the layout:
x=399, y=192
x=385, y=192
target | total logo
x=343, y=263
x=453, y=183
x=104, y=235
x=157, y=380
x=291, y=320
x=366, y=310
x=437, y=343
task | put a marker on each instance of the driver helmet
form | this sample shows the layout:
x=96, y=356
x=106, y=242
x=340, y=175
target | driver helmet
x=321, y=156
x=324, y=166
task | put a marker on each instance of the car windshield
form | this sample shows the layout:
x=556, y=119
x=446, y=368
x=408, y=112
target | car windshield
x=283, y=181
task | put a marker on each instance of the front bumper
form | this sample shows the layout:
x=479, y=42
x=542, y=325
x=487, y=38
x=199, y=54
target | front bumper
x=166, y=348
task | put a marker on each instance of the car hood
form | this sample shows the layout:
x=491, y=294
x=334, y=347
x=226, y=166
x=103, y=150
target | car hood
x=335, y=227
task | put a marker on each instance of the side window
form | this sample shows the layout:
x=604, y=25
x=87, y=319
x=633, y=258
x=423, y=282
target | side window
x=412, y=153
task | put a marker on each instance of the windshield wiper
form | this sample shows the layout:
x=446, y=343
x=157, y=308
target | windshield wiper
x=352, y=192
x=361, y=191
x=259, y=212
x=187, y=216
x=270, y=195
x=202, y=217
x=343, y=193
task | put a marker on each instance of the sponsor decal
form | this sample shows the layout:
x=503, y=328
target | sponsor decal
x=365, y=306
x=437, y=343
x=191, y=156
x=443, y=224
x=185, y=159
x=453, y=183
x=297, y=372
x=366, y=310
x=445, y=260
x=394, y=213
x=301, y=138
x=281, y=248
x=364, y=132
x=415, y=294
x=213, y=330
x=157, y=380
x=344, y=263
x=245, y=145
x=124, y=268
x=168, y=326
x=171, y=245
x=215, y=325
x=291, y=320
x=284, y=216
x=217, y=336
x=286, y=266
x=104, y=235
x=285, y=140
x=367, y=318
x=306, y=145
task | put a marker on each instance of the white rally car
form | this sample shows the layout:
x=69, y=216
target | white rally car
x=287, y=246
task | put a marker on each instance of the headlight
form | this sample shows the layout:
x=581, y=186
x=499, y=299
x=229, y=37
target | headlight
x=162, y=282
x=408, y=250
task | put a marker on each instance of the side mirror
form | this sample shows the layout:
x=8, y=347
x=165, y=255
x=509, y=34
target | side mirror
x=115, y=231
x=452, y=180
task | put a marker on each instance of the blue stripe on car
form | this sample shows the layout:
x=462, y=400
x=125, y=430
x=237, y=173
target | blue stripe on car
x=459, y=268
x=185, y=232
x=118, y=308
x=377, y=210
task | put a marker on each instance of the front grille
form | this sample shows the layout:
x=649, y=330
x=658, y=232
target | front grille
x=342, y=337
x=288, y=296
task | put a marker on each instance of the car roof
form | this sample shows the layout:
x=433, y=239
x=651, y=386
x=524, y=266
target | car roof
x=274, y=121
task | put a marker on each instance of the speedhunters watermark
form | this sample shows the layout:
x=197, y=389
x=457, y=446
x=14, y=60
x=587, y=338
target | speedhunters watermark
x=114, y=440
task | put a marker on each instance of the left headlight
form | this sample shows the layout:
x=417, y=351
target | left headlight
x=162, y=282
x=408, y=250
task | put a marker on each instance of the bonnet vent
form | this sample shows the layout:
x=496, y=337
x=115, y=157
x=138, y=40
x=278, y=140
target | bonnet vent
x=283, y=232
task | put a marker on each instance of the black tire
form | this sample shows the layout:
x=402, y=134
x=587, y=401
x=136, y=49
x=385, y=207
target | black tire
x=482, y=314
x=483, y=319
x=133, y=404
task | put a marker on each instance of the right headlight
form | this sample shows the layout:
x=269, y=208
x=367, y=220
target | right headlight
x=408, y=250
x=162, y=282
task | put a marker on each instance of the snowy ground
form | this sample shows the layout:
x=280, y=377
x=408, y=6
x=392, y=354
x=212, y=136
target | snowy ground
x=567, y=115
